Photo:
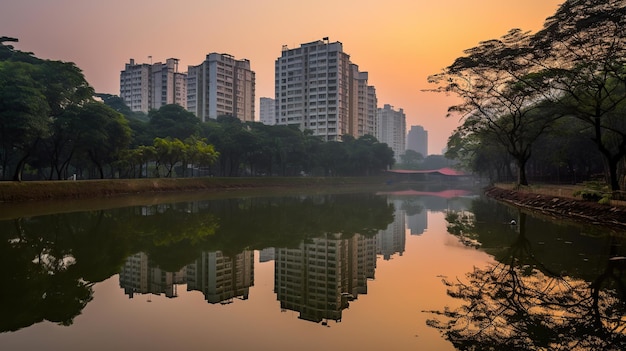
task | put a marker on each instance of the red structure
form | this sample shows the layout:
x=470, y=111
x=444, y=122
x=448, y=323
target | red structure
x=442, y=174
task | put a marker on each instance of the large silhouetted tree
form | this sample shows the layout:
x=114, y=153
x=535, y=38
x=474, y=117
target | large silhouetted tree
x=24, y=115
x=575, y=66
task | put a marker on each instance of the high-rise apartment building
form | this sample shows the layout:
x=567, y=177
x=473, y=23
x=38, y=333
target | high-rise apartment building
x=267, y=111
x=168, y=85
x=319, y=89
x=363, y=105
x=417, y=140
x=392, y=129
x=221, y=85
x=136, y=86
x=149, y=86
x=371, y=126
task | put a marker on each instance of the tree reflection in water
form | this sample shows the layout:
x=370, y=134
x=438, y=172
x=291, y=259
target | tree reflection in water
x=49, y=264
x=520, y=304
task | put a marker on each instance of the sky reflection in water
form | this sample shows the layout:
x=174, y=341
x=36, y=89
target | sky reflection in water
x=308, y=272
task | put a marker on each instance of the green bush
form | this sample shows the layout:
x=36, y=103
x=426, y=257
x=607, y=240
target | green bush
x=595, y=191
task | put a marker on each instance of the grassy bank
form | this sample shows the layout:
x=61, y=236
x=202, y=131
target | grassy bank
x=82, y=189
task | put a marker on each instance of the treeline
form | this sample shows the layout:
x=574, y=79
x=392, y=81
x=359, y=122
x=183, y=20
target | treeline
x=549, y=105
x=52, y=126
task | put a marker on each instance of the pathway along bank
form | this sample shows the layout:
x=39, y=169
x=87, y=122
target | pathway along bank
x=588, y=212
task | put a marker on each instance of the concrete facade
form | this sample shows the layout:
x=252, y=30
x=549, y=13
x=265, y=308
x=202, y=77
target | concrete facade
x=317, y=88
x=219, y=86
x=392, y=129
x=149, y=86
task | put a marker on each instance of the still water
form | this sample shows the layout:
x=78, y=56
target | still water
x=407, y=270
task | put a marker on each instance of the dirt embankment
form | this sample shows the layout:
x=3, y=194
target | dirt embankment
x=11, y=192
x=562, y=207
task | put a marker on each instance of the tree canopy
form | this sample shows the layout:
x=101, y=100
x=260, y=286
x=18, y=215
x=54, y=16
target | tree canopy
x=54, y=126
x=514, y=88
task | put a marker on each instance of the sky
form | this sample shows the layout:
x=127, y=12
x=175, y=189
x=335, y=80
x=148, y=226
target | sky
x=398, y=42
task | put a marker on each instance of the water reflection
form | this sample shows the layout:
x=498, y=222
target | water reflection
x=317, y=279
x=218, y=277
x=550, y=286
x=51, y=262
x=570, y=297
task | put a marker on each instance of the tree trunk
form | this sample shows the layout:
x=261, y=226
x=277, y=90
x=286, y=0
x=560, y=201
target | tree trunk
x=19, y=167
x=612, y=163
x=521, y=172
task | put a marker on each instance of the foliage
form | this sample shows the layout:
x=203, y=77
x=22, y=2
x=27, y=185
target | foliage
x=517, y=86
x=51, y=126
x=24, y=113
x=410, y=159
x=594, y=191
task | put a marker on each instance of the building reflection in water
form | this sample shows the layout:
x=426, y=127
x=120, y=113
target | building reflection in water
x=392, y=240
x=321, y=276
x=317, y=279
x=220, y=278
x=138, y=277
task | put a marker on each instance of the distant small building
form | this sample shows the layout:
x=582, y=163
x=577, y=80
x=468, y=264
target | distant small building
x=267, y=108
x=392, y=129
x=417, y=140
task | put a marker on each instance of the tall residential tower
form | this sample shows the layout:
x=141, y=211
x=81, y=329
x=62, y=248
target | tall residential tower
x=149, y=86
x=392, y=129
x=221, y=85
x=319, y=89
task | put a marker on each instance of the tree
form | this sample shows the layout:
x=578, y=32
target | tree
x=334, y=158
x=64, y=86
x=480, y=154
x=493, y=99
x=103, y=136
x=585, y=44
x=367, y=155
x=411, y=158
x=173, y=121
x=60, y=147
x=576, y=64
x=24, y=115
x=169, y=152
x=33, y=92
x=223, y=133
x=117, y=103
x=199, y=153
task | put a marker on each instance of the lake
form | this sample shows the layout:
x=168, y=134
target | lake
x=442, y=269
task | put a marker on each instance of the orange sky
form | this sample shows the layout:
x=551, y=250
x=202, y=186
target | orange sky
x=399, y=42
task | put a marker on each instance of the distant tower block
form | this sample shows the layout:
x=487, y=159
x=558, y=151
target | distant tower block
x=417, y=140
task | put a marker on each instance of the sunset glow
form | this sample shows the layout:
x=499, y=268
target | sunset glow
x=399, y=42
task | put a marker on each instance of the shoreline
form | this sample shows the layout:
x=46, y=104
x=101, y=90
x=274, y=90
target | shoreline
x=559, y=207
x=26, y=199
x=16, y=195
x=27, y=191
